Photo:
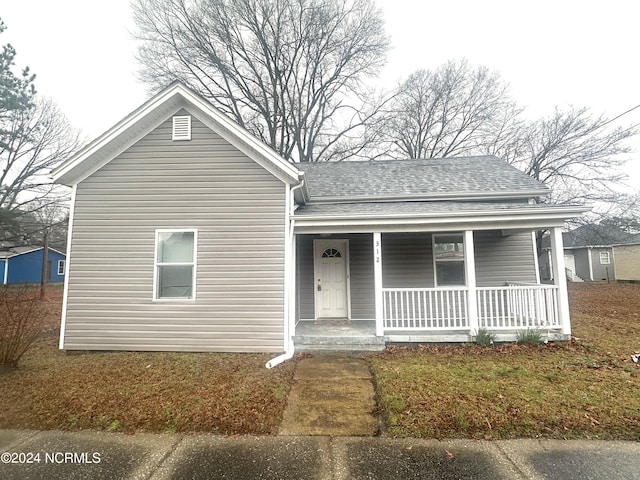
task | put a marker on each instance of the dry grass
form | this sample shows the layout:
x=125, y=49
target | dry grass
x=606, y=318
x=587, y=388
x=142, y=392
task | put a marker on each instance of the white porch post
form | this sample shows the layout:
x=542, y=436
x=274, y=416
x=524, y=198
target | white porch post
x=470, y=275
x=590, y=261
x=377, y=276
x=560, y=279
x=293, y=292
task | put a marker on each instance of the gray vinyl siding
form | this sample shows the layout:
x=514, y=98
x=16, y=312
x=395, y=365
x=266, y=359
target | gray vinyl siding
x=361, y=280
x=602, y=272
x=304, y=276
x=238, y=209
x=501, y=259
x=362, y=277
x=582, y=263
x=407, y=260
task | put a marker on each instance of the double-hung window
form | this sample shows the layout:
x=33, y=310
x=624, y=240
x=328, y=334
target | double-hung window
x=448, y=258
x=175, y=264
x=605, y=258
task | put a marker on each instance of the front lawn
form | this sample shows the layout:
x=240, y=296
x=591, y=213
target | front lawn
x=588, y=388
x=141, y=392
x=144, y=392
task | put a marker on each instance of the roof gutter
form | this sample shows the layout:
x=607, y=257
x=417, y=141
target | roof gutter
x=554, y=212
x=481, y=220
x=303, y=194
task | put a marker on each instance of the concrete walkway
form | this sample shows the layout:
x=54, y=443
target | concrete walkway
x=331, y=395
x=97, y=456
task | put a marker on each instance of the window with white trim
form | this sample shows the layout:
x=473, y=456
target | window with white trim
x=175, y=264
x=605, y=258
x=448, y=259
x=60, y=267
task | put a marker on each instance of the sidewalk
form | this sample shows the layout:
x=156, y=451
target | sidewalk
x=85, y=455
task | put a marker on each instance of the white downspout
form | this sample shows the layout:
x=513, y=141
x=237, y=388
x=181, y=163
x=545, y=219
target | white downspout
x=290, y=350
x=288, y=355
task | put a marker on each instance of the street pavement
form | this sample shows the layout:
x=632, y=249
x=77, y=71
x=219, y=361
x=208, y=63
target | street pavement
x=29, y=455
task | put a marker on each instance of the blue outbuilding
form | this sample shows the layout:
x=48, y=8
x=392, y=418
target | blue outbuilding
x=24, y=265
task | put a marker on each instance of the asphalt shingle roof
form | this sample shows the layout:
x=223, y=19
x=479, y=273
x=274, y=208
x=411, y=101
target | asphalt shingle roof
x=591, y=235
x=406, y=208
x=428, y=178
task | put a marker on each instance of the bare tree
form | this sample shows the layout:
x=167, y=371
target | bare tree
x=578, y=154
x=580, y=157
x=46, y=219
x=37, y=139
x=622, y=215
x=290, y=71
x=454, y=110
x=462, y=110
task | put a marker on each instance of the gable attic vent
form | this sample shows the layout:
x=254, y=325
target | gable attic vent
x=181, y=127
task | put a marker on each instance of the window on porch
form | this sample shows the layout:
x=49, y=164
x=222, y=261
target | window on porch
x=448, y=257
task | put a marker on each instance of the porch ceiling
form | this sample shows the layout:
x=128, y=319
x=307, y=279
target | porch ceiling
x=429, y=216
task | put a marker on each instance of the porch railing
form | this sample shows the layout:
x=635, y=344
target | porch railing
x=518, y=306
x=507, y=307
x=425, y=308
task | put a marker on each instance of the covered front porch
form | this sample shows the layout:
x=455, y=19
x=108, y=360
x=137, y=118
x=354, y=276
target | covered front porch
x=360, y=291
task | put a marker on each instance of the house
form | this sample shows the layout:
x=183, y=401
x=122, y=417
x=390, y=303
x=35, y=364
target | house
x=24, y=265
x=627, y=262
x=589, y=252
x=187, y=233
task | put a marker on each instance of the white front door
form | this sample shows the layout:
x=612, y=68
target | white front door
x=331, y=264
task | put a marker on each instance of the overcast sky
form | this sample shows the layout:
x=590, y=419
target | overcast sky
x=551, y=52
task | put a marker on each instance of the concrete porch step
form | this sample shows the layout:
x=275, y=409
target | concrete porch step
x=304, y=343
